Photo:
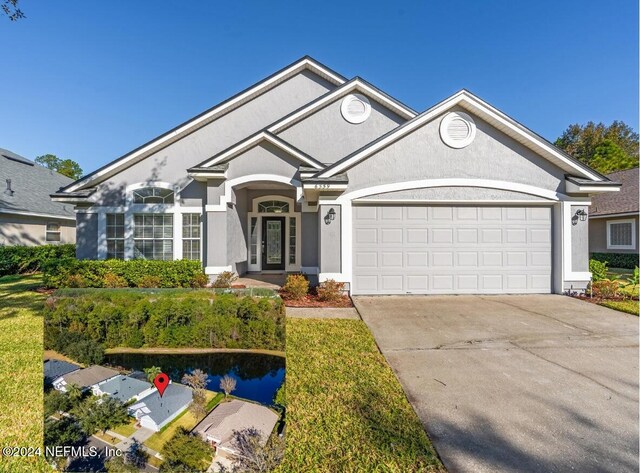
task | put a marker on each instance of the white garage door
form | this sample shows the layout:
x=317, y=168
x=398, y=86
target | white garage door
x=451, y=250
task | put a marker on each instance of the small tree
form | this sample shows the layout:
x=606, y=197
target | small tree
x=93, y=415
x=136, y=455
x=152, y=372
x=196, y=380
x=227, y=384
x=56, y=402
x=186, y=452
x=75, y=394
x=254, y=456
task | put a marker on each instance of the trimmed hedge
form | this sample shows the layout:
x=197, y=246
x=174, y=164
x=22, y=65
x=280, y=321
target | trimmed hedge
x=141, y=318
x=28, y=259
x=617, y=260
x=70, y=272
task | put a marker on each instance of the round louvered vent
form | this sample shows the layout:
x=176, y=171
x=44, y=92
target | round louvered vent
x=355, y=108
x=457, y=129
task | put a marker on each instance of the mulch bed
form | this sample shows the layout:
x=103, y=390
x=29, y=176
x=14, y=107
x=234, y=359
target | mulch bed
x=600, y=299
x=311, y=300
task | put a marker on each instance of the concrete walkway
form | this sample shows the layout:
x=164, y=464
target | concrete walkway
x=323, y=313
x=515, y=383
x=140, y=435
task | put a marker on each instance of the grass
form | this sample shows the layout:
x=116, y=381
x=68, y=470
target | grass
x=186, y=419
x=126, y=429
x=619, y=273
x=346, y=410
x=630, y=307
x=21, y=409
x=111, y=440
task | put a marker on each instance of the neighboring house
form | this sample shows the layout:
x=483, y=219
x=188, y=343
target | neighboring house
x=27, y=214
x=123, y=388
x=309, y=172
x=155, y=411
x=86, y=378
x=613, y=218
x=218, y=426
x=54, y=369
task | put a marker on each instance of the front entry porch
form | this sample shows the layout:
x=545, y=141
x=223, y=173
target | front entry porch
x=262, y=280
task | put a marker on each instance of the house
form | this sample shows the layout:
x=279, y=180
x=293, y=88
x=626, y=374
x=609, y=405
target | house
x=123, y=388
x=155, y=411
x=54, y=369
x=309, y=172
x=613, y=218
x=86, y=378
x=218, y=426
x=27, y=214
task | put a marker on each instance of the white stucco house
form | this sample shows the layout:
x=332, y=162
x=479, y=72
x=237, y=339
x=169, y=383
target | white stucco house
x=154, y=411
x=308, y=171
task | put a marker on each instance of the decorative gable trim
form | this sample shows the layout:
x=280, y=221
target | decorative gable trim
x=306, y=63
x=493, y=116
x=255, y=140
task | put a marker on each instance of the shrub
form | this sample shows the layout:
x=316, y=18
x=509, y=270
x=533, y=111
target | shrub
x=605, y=288
x=618, y=260
x=598, y=270
x=180, y=273
x=635, y=279
x=27, y=259
x=199, y=280
x=296, y=287
x=330, y=291
x=225, y=279
x=114, y=281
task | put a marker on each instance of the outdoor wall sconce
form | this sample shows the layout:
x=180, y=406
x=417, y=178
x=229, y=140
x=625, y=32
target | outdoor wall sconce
x=331, y=215
x=579, y=215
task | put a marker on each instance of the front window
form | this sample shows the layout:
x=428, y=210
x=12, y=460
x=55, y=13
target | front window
x=115, y=236
x=292, y=240
x=53, y=232
x=153, y=236
x=191, y=236
x=273, y=206
x=153, y=195
x=254, y=240
x=621, y=234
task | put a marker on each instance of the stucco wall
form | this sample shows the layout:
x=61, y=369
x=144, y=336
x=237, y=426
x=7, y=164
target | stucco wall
x=330, y=241
x=263, y=159
x=30, y=231
x=598, y=235
x=170, y=163
x=423, y=155
x=327, y=136
x=579, y=242
x=87, y=236
x=309, y=239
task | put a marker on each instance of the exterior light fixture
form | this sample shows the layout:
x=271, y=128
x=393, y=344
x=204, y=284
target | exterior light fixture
x=331, y=215
x=579, y=215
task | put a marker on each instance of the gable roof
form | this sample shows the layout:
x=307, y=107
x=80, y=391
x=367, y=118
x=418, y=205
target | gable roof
x=160, y=408
x=625, y=201
x=253, y=141
x=305, y=63
x=238, y=415
x=31, y=185
x=478, y=107
x=124, y=388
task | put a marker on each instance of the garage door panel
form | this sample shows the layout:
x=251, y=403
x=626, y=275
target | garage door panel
x=445, y=250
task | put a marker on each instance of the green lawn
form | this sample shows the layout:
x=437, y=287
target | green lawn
x=346, y=410
x=126, y=429
x=631, y=307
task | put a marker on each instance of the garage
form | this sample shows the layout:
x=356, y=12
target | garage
x=444, y=249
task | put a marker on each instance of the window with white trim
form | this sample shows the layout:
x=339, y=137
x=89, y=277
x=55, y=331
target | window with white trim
x=191, y=236
x=292, y=240
x=153, y=236
x=273, y=206
x=254, y=240
x=153, y=195
x=53, y=232
x=621, y=234
x=115, y=236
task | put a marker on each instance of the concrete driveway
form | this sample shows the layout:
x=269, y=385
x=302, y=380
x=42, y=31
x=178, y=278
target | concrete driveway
x=539, y=383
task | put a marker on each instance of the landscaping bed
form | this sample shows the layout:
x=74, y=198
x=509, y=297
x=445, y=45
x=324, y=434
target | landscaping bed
x=311, y=300
x=297, y=293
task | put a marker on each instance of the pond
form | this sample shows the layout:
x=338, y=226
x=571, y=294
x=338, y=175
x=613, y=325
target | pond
x=258, y=376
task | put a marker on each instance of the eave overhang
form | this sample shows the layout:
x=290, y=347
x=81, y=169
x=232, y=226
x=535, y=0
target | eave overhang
x=578, y=185
x=203, y=174
x=77, y=197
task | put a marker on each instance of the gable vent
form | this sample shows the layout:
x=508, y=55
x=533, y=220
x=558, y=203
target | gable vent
x=355, y=108
x=457, y=129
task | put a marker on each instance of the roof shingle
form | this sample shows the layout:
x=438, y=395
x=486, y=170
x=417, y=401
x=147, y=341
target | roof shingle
x=618, y=202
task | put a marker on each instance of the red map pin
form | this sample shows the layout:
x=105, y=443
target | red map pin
x=161, y=382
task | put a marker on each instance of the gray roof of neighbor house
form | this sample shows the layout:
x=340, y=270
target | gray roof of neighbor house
x=31, y=185
x=624, y=201
x=53, y=369
x=237, y=415
x=124, y=388
x=89, y=376
x=160, y=408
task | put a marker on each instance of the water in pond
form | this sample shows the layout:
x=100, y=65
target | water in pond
x=258, y=376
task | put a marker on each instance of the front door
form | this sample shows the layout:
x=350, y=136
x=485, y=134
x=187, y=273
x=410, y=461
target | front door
x=273, y=243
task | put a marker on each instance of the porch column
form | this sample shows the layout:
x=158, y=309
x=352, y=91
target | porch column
x=329, y=244
x=216, y=236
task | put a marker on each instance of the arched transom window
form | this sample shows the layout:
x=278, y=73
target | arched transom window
x=273, y=206
x=153, y=195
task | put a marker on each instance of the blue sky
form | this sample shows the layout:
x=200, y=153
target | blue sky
x=91, y=81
